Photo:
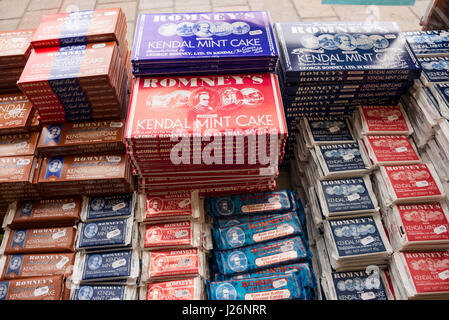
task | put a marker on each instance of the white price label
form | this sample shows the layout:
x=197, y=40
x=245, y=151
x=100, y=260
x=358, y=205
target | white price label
x=182, y=293
x=393, y=117
x=62, y=263
x=119, y=263
x=444, y=275
x=367, y=240
x=440, y=229
x=23, y=162
x=334, y=129
x=274, y=199
x=20, y=145
x=119, y=206
x=349, y=156
x=279, y=283
x=421, y=184
x=41, y=291
x=401, y=149
x=115, y=124
x=181, y=234
x=113, y=233
x=58, y=235
x=99, y=45
x=368, y=295
x=68, y=206
x=353, y=197
x=255, y=32
x=114, y=159
x=184, y=203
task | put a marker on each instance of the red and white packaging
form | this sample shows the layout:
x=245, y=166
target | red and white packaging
x=174, y=235
x=385, y=150
x=409, y=184
x=418, y=226
x=421, y=275
x=185, y=289
x=381, y=120
x=172, y=265
x=169, y=207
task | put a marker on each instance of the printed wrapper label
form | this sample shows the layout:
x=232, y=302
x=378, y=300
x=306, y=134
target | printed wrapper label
x=172, y=235
x=171, y=263
x=276, y=258
x=415, y=182
x=244, y=103
x=356, y=236
x=428, y=270
x=172, y=290
x=384, y=119
x=424, y=223
x=270, y=295
x=392, y=148
x=357, y=285
x=59, y=234
x=62, y=263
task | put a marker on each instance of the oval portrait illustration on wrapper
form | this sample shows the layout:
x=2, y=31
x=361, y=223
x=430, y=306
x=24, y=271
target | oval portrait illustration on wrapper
x=235, y=237
x=362, y=41
x=379, y=42
x=85, y=293
x=203, y=29
x=97, y=204
x=225, y=206
x=156, y=293
x=345, y=41
x=237, y=261
x=90, y=230
x=204, y=100
x=225, y=291
x=94, y=262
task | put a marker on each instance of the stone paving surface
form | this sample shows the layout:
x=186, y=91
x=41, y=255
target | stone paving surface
x=26, y=14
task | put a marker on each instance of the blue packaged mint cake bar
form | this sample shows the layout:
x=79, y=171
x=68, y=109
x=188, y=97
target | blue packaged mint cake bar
x=245, y=234
x=346, y=196
x=278, y=287
x=308, y=278
x=327, y=130
x=270, y=202
x=262, y=256
x=108, y=207
x=428, y=43
x=355, y=236
x=342, y=159
x=358, y=285
x=352, y=48
x=434, y=70
x=103, y=292
x=106, y=234
x=203, y=37
x=105, y=267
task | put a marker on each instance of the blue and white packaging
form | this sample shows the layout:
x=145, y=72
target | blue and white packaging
x=271, y=202
x=262, y=256
x=428, y=43
x=307, y=274
x=279, y=287
x=108, y=207
x=326, y=130
x=440, y=93
x=268, y=229
x=103, y=292
x=356, y=241
x=349, y=50
x=116, y=267
x=434, y=70
x=357, y=285
x=340, y=160
x=107, y=235
x=346, y=196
